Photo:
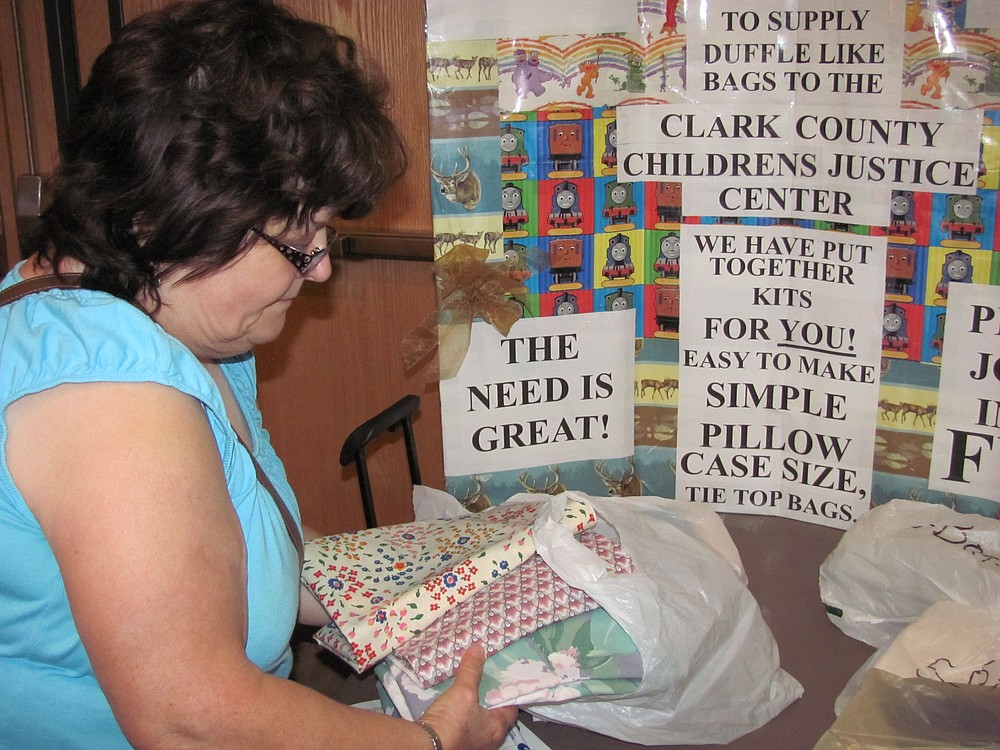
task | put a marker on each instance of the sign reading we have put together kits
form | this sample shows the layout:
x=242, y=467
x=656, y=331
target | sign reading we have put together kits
x=794, y=199
x=782, y=378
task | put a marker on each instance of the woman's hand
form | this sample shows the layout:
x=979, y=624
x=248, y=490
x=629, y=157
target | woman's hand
x=457, y=716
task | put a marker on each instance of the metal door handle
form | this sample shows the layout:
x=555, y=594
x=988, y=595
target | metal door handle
x=29, y=204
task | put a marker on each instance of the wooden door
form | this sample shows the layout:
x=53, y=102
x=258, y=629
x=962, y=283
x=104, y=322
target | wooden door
x=28, y=136
x=339, y=361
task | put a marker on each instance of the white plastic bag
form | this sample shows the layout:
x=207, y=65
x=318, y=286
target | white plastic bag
x=710, y=663
x=902, y=557
x=909, y=713
x=950, y=642
x=430, y=504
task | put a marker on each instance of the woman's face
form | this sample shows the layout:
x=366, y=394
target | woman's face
x=228, y=312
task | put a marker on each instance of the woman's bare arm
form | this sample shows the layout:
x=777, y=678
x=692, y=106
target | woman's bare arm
x=126, y=482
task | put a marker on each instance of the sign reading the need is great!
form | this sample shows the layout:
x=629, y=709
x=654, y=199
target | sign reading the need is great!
x=552, y=390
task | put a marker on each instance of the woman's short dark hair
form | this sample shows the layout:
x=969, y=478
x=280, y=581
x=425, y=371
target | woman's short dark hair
x=207, y=119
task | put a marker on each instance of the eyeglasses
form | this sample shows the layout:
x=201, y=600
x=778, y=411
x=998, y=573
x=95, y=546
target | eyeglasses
x=303, y=261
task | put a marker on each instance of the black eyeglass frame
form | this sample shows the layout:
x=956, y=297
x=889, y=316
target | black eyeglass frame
x=304, y=262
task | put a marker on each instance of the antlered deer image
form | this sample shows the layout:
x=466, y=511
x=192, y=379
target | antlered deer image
x=462, y=185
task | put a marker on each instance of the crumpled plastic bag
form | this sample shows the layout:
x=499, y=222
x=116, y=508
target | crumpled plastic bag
x=899, y=559
x=897, y=713
x=950, y=642
x=710, y=663
x=430, y=503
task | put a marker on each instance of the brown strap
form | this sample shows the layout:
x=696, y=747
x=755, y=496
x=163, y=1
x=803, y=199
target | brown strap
x=38, y=284
x=286, y=515
x=72, y=281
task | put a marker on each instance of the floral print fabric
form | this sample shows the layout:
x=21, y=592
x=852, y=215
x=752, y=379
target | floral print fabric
x=381, y=586
x=520, y=603
x=585, y=656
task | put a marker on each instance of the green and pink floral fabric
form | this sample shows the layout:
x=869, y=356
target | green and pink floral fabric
x=585, y=656
x=381, y=586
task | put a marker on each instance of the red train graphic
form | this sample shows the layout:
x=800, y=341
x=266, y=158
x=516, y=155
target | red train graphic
x=566, y=260
x=565, y=146
x=900, y=268
x=667, y=308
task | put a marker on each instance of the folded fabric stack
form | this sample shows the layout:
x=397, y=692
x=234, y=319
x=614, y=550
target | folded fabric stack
x=520, y=603
x=627, y=616
x=383, y=586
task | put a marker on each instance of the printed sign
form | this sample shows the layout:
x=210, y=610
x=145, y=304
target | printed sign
x=799, y=162
x=555, y=389
x=779, y=378
x=967, y=438
x=809, y=51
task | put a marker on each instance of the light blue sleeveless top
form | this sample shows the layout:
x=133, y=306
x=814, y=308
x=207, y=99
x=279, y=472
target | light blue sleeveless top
x=49, y=697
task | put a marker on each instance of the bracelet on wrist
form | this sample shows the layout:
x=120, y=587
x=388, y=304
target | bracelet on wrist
x=436, y=743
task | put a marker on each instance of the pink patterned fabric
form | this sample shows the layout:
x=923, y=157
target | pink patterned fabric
x=520, y=603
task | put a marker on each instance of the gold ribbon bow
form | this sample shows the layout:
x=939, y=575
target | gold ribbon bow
x=468, y=288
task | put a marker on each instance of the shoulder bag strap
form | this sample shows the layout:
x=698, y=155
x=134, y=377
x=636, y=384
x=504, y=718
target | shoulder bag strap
x=72, y=281
x=38, y=284
x=286, y=515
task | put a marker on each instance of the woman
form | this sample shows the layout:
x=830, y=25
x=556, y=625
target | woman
x=148, y=582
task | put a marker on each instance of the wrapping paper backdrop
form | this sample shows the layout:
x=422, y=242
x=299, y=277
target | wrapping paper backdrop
x=493, y=104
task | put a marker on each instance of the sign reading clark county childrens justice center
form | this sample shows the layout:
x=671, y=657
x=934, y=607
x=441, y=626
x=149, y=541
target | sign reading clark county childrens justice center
x=798, y=162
